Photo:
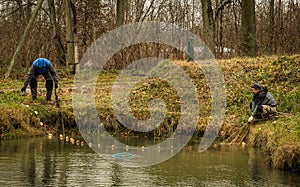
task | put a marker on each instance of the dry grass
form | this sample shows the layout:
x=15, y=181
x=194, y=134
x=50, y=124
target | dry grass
x=287, y=157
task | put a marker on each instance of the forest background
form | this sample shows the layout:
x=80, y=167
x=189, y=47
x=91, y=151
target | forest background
x=63, y=29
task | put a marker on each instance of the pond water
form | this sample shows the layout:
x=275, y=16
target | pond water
x=50, y=162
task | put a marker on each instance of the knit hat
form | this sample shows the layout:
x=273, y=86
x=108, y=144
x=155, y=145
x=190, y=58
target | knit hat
x=256, y=86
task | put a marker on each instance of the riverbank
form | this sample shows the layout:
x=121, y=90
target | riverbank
x=279, y=138
x=280, y=141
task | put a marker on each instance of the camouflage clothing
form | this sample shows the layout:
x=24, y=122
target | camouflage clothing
x=262, y=103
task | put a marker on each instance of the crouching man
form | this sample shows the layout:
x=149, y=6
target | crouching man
x=41, y=66
x=263, y=103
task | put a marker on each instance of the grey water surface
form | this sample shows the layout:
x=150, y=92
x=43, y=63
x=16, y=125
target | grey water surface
x=51, y=162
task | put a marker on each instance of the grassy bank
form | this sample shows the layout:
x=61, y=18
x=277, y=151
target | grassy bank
x=279, y=137
x=22, y=117
x=280, y=140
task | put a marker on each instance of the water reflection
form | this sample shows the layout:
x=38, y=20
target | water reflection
x=44, y=162
x=117, y=175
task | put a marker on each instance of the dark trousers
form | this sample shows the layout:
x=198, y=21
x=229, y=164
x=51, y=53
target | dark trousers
x=49, y=88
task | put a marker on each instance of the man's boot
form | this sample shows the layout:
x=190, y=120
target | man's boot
x=33, y=88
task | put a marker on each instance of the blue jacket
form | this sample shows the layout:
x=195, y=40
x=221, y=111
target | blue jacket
x=41, y=66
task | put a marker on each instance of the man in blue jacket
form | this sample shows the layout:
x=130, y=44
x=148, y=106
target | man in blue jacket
x=263, y=103
x=41, y=66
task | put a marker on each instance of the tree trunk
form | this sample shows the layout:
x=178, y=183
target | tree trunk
x=120, y=18
x=57, y=35
x=70, y=33
x=271, y=27
x=208, y=24
x=94, y=37
x=248, y=28
x=120, y=12
x=279, y=28
x=23, y=38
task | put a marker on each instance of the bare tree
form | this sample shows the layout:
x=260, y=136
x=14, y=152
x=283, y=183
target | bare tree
x=249, y=28
x=220, y=46
x=271, y=26
x=120, y=12
x=69, y=33
x=208, y=24
x=238, y=27
x=23, y=38
x=56, y=32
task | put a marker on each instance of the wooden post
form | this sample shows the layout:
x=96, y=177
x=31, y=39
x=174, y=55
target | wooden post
x=76, y=55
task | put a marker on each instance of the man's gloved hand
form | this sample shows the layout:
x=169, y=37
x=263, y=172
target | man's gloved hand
x=23, y=89
x=56, y=85
x=251, y=119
